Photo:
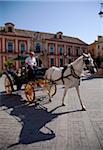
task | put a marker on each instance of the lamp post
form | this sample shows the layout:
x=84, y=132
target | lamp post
x=100, y=53
x=101, y=16
x=101, y=11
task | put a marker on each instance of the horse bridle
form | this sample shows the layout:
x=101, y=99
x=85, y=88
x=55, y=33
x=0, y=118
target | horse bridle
x=87, y=63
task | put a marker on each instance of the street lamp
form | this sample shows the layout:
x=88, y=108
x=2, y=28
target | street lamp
x=101, y=15
x=101, y=11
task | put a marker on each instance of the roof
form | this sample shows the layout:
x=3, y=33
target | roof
x=9, y=23
x=45, y=35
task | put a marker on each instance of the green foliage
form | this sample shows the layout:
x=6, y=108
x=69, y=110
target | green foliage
x=8, y=64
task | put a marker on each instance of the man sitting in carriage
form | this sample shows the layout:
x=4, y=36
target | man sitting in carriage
x=31, y=65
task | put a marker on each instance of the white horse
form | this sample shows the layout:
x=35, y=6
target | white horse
x=69, y=75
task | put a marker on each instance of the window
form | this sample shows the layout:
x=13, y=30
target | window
x=84, y=50
x=10, y=46
x=52, y=61
x=51, y=49
x=60, y=36
x=78, y=51
x=0, y=44
x=61, y=62
x=60, y=50
x=37, y=47
x=69, y=51
x=22, y=47
x=10, y=29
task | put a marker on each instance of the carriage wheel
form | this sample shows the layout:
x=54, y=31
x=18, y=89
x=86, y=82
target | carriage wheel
x=29, y=92
x=52, y=90
x=8, y=85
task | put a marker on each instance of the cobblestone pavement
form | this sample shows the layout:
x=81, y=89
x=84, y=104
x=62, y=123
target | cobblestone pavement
x=50, y=126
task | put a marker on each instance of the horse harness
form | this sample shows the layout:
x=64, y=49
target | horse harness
x=67, y=76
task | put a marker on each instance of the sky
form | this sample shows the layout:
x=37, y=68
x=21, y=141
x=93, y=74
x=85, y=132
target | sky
x=75, y=18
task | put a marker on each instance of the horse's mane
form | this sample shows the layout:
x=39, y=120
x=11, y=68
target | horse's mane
x=74, y=62
x=77, y=60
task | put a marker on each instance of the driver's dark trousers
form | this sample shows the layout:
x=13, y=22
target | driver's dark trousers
x=32, y=73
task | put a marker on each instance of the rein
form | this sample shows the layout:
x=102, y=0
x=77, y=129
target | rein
x=71, y=74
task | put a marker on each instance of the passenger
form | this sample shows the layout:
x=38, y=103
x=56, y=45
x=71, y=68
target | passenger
x=31, y=64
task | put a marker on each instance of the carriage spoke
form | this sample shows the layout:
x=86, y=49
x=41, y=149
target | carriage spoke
x=29, y=92
x=8, y=87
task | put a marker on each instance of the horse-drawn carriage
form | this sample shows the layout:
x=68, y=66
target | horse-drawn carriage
x=69, y=76
x=20, y=79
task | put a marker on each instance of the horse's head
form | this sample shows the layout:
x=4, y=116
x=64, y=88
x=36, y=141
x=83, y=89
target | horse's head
x=89, y=64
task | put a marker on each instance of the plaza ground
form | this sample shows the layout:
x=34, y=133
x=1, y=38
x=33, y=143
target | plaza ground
x=50, y=126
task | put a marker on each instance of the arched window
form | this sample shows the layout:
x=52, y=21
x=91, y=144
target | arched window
x=10, y=29
x=69, y=51
x=60, y=50
x=22, y=47
x=37, y=47
x=78, y=51
x=52, y=61
x=51, y=49
x=10, y=46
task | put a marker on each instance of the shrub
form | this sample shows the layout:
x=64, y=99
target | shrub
x=8, y=64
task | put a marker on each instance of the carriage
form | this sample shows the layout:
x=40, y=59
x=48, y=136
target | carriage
x=16, y=80
x=47, y=79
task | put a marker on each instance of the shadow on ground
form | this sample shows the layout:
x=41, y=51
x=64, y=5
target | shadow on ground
x=32, y=118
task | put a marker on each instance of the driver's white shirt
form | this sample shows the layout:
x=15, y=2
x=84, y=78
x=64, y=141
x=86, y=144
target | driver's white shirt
x=31, y=61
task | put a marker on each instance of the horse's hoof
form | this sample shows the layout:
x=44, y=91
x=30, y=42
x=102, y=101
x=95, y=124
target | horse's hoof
x=49, y=100
x=36, y=104
x=83, y=109
x=63, y=104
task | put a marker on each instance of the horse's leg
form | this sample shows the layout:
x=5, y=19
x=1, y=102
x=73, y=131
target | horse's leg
x=49, y=97
x=64, y=94
x=49, y=94
x=78, y=92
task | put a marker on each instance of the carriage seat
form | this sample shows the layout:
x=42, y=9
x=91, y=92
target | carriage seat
x=40, y=72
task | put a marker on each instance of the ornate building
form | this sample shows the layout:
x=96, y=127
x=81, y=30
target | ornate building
x=96, y=48
x=51, y=49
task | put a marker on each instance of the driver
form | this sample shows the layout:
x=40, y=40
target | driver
x=31, y=64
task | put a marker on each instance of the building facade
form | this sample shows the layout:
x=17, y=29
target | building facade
x=51, y=49
x=96, y=48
